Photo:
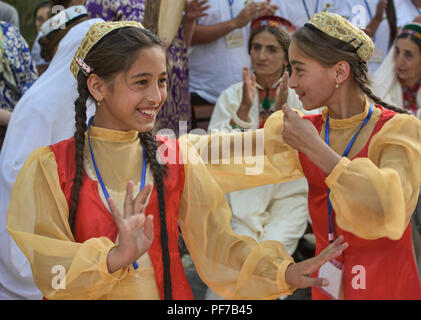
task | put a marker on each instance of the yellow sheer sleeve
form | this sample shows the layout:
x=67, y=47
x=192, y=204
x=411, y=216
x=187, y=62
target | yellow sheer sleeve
x=239, y=160
x=37, y=220
x=375, y=197
x=232, y=265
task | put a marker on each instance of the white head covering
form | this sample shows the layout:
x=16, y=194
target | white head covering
x=385, y=76
x=386, y=84
x=44, y=115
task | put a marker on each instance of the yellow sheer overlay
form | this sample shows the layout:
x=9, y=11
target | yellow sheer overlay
x=234, y=266
x=373, y=197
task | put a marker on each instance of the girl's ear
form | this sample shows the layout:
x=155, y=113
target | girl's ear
x=96, y=87
x=343, y=69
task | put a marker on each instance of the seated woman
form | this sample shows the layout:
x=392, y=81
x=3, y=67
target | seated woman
x=399, y=78
x=276, y=211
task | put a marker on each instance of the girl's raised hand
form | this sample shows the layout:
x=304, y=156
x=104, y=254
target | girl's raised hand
x=298, y=275
x=134, y=228
x=299, y=133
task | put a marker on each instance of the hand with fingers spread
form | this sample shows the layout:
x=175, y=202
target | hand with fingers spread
x=249, y=93
x=298, y=275
x=250, y=12
x=195, y=9
x=282, y=92
x=135, y=230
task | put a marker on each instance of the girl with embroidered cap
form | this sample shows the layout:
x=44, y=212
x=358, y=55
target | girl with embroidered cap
x=360, y=157
x=276, y=211
x=398, y=79
x=73, y=203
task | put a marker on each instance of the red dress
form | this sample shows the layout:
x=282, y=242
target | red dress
x=94, y=220
x=390, y=267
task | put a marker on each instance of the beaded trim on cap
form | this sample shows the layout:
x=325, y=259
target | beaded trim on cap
x=340, y=28
x=96, y=33
x=60, y=20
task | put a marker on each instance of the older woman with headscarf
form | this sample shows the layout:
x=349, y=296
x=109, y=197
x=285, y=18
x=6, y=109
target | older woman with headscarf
x=398, y=80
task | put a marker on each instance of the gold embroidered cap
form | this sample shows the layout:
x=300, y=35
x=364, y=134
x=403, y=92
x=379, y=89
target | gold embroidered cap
x=97, y=32
x=340, y=28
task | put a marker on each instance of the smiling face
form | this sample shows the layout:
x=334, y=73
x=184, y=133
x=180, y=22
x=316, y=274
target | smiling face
x=132, y=99
x=407, y=60
x=313, y=82
x=267, y=55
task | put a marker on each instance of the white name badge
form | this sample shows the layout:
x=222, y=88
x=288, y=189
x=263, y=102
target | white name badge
x=333, y=272
x=235, y=39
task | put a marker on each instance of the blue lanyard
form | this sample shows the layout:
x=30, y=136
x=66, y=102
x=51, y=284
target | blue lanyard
x=104, y=189
x=306, y=8
x=368, y=10
x=231, y=2
x=345, y=154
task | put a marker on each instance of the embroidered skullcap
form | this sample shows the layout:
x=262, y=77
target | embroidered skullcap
x=412, y=31
x=274, y=22
x=96, y=33
x=340, y=28
x=61, y=19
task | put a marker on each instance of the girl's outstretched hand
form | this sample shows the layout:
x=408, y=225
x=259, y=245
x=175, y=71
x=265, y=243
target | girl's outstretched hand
x=134, y=228
x=298, y=275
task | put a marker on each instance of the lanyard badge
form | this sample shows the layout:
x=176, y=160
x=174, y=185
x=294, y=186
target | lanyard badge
x=345, y=154
x=104, y=189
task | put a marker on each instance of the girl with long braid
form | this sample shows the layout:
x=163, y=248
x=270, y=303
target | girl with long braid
x=360, y=156
x=77, y=214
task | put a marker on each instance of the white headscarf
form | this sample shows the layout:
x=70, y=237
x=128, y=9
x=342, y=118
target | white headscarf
x=385, y=77
x=44, y=115
x=386, y=84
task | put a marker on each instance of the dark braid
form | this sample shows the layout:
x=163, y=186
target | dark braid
x=79, y=136
x=359, y=70
x=367, y=91
x=110, y=56
x=159, y=171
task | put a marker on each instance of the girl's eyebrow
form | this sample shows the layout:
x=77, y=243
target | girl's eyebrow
x=146, y=74
x=294, y=62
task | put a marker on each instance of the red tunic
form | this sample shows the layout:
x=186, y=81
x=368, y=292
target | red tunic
x=94, y=220
x=390, y=267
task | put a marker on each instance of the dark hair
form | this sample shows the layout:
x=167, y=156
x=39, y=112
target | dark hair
x=113, y=54
x=44, y=4
x=64, y=3
x=281, y=36
x=391, y=19
x=328, y=51
x=50, y=42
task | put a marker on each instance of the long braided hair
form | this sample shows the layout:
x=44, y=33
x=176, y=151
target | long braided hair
x=113, y=54
x=329, y=51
